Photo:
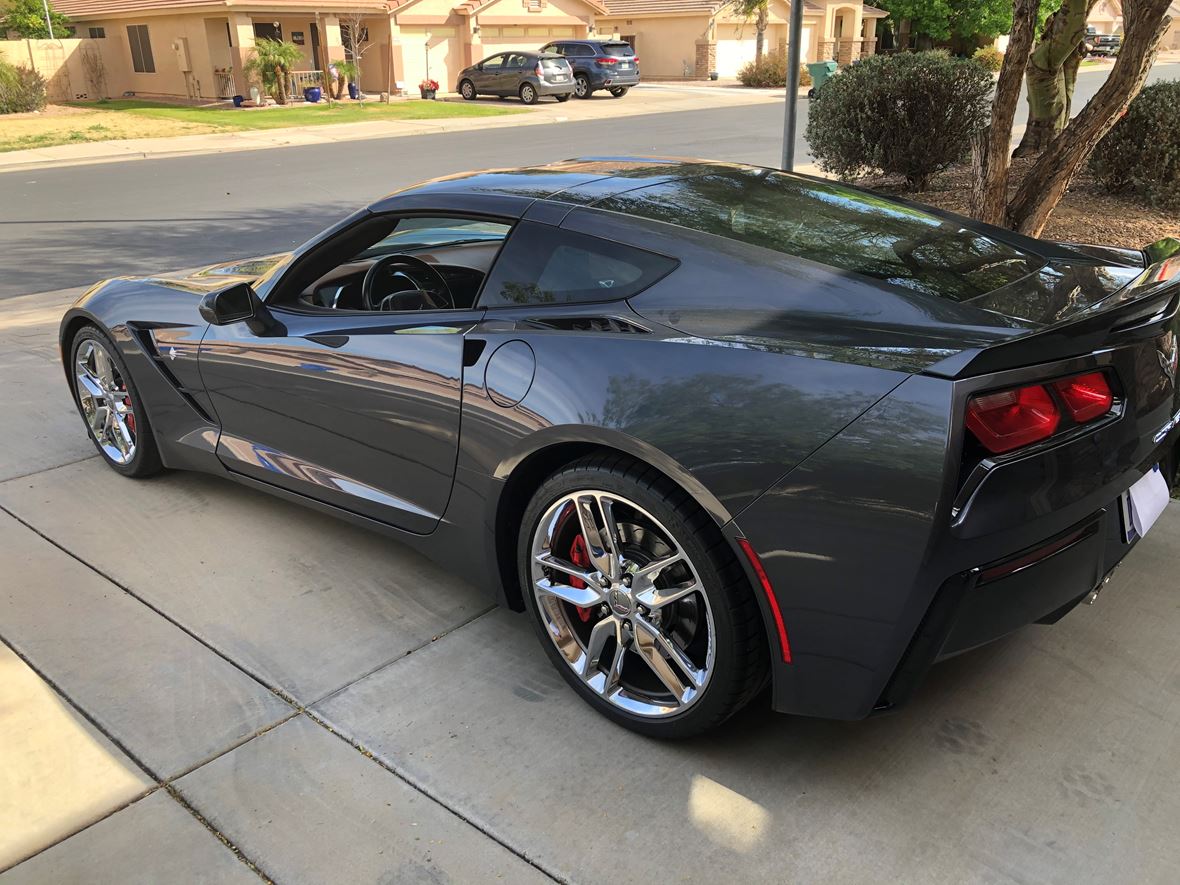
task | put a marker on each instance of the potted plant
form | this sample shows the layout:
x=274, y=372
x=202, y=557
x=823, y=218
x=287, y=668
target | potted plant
x=270, y=62
x=346, y=72
x=428, y=88
x=314, y=92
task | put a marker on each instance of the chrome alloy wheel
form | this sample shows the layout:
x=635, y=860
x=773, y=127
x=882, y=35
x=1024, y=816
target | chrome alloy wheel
x=623, y=603
x=105, y=401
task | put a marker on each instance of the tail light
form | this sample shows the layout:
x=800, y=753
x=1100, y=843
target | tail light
x=1086, y=396
x=1168, y=270
x=606, y=60
x=1012, y=418
x=539, y=71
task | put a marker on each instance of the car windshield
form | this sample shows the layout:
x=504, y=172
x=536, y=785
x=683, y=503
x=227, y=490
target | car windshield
x=838, y=226
x=618, y=50
x=418, y=233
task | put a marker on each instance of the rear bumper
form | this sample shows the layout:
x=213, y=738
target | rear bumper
x=546, y=88
x=602, y=80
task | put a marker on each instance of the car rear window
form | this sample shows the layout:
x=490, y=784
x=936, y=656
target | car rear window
x=541, y=264
x=835, y=225
x=618, y=50
x=554, y=63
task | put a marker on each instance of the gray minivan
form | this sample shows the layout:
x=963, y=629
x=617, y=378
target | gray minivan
x=529, y=75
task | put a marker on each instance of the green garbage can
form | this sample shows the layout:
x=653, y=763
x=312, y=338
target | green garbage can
x=820, y=71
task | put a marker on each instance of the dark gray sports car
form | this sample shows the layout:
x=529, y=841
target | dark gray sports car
x=713, y=427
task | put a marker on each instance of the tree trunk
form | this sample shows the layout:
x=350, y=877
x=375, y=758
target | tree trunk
x=760, y=31
x=989, y=184
x=1049, y=89
x=1044, y=185
x=280, y=85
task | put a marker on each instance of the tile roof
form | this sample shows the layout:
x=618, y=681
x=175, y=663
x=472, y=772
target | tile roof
x=680, y=7
x=92, y=8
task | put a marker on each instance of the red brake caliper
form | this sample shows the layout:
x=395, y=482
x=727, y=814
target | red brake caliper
x=580, y=557
x=131, y=417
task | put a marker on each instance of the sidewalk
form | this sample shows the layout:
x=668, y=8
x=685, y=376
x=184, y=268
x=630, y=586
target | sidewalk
x=646, y=99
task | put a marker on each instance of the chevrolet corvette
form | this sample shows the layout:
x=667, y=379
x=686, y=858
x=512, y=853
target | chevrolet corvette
x=719, y=431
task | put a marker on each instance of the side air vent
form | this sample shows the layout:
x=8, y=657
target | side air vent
x=147, y=339
x=588, y=324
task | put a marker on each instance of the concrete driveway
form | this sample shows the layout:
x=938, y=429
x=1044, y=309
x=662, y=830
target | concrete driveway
x=200, y=683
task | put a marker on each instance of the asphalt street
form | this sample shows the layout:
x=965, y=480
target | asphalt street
x=70, y=226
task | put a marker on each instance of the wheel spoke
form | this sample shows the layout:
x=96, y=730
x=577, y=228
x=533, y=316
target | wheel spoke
x=548, y=560
x=601, y=555
x=91, y=384
x=579, y=596
x=665, y=659
x=104, y=369
x=121, y=434
x=614, y=675
x=602, y=631
x=610, y=534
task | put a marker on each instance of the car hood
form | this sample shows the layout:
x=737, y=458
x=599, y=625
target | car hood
x=217, y=276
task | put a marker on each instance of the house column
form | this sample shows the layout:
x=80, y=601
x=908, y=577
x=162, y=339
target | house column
x=869, y=34
x=333, y=42
x=397, y=57
x=472, y=45
x=706, y=54
x=241, y=27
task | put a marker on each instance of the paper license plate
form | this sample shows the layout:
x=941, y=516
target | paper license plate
x=1144, y=502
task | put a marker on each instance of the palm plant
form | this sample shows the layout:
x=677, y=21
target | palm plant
x=270, y=61
x=759, y=11
x=346, y=72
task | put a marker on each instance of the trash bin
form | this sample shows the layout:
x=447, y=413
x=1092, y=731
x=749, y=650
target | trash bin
x=820, y=71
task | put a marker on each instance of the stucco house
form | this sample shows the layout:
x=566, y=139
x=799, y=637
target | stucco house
x=197, y=48
x=691, y=38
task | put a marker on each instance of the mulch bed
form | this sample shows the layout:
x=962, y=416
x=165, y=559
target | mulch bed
x=1086, y=214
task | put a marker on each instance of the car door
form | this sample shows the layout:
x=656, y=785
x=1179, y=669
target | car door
x=487, y=76
x=514, y=67
x=357, y=409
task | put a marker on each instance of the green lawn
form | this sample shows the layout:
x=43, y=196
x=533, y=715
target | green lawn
x=300, y=113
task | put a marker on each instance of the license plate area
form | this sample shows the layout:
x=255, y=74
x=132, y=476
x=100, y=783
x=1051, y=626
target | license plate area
x=1141, y=505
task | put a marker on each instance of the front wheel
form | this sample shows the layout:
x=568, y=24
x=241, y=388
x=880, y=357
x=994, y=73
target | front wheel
x=638, y=601
x=110, y=405
x=528, y=94
x=582, y=86
x=467, y=90
x=620, y=91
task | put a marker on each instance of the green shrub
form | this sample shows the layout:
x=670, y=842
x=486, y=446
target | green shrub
x=1141, y=154
x=910, y=114
x=770, y=71
x=20, y=89
x=990, y=57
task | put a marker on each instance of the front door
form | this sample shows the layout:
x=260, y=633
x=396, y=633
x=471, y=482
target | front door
x=317, y=62
x=357, y=411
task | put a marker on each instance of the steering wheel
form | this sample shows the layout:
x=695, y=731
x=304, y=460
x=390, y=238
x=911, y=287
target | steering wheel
x=395, y=274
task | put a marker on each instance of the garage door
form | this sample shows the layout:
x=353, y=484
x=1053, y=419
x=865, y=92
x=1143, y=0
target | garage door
x=735, y=48
x=531, y=37
x=445, y=57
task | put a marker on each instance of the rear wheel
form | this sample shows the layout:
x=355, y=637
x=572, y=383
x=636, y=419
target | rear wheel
x=528, y=94
x=620, y=91
x=467, y=90
x=563, y=97
x=582, y=86
x=110, y=405
x=638, y=600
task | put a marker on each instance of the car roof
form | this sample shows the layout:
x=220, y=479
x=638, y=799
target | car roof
x=580, y=181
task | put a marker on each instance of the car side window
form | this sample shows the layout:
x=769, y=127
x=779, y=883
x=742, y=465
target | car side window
x=554, y=48
x=541, y=264
x=493, y=64
x=515, y=60
x=581, y=50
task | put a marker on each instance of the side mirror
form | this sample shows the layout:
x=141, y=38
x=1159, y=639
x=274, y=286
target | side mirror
x=230, y=305
x=236, y=304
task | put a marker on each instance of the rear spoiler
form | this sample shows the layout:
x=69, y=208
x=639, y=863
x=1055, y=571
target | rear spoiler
x=1142, y=309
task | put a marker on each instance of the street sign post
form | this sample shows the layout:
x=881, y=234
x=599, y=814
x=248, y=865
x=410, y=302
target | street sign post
x=790, y=121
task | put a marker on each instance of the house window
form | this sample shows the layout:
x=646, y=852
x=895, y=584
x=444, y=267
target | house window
x=141, y=49
x=97, y=33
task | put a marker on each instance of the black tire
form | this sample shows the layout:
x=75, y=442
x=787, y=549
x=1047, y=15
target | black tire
x=620, y=91
x=582, y=86
x=741, y=665
x=467, y=90
x=563, y=98
x=146, y=460
x=529, y=94
x=811, y=93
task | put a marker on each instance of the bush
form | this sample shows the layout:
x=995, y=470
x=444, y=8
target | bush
x=990, y=57
x=911, y=114
x=20, y=89
x=770, y=71
x=1141, y=154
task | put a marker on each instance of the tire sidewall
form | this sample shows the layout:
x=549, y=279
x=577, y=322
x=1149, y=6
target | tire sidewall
x=709, y=706
x=467, y=89
x=582, y=86
x=139, y=463
x=527, y=90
